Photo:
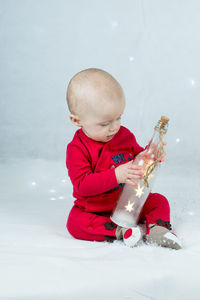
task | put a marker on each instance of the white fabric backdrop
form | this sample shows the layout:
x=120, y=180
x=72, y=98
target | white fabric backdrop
x=151, y=47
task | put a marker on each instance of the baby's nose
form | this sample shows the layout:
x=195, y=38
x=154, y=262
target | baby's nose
x=114, y=127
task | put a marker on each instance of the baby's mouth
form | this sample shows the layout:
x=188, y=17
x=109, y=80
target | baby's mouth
x=111, y=136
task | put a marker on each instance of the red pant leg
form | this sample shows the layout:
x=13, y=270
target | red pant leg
x=89, y=226
x=156, y=210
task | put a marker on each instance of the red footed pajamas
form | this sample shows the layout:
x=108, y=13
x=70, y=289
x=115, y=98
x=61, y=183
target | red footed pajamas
x=91, y=169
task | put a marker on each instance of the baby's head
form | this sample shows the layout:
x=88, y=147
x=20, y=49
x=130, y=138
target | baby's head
x=96, y=102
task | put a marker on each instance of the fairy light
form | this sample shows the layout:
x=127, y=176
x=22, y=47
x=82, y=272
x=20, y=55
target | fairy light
x=129, y=206
x=141, y=162
x=139, y=190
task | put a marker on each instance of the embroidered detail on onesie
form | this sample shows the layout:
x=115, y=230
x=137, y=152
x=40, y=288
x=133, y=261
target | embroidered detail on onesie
x=110, y=239
x=118, y=158
x=110, y=225
x=122, y=157
x=160, y=222
x=120, y=186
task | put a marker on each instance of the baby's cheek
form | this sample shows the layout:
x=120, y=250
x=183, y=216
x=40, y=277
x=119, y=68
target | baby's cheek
x=104, y=131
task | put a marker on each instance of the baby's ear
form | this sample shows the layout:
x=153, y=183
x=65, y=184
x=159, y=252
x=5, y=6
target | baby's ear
x=75, y=120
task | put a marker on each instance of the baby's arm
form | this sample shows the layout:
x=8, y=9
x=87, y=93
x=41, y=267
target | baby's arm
x=86, y=182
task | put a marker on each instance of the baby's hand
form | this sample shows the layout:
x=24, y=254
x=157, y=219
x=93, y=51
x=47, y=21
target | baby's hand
x=128, y=173
x=154, y=149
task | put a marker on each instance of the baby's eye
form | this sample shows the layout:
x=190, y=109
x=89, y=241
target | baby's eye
x=104, y=124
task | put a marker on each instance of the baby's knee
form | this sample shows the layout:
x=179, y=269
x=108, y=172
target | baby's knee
x=159, y=200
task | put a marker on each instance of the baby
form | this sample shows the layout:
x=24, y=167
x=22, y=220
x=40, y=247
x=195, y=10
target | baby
x=100, y=160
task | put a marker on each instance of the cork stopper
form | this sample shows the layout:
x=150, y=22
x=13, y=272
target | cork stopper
x=163, y=121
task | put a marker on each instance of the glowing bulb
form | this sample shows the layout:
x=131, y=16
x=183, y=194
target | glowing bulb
x=141, y=162
x=129, y=206
x=61, y=198
x=52, y=199
x=177, y=140
x=33, y=183
x=139, y=190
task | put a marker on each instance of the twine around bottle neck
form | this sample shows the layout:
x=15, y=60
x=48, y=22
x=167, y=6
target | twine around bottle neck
x=161, y=128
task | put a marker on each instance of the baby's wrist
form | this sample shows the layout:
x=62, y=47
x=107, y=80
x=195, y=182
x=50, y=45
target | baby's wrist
x=117, y=176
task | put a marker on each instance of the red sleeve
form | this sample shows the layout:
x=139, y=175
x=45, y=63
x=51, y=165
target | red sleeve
x=85, y=182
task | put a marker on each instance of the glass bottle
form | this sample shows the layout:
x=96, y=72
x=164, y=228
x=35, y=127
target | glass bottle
x=132, y=198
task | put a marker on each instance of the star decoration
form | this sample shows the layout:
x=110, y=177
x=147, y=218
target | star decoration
x=139, y=190
x=129, y=206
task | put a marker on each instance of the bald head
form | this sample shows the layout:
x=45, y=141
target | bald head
x=92, y=87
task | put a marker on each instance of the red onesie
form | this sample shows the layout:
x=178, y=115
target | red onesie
x=91, y=170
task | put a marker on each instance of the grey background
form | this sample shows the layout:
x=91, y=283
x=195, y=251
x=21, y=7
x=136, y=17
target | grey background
x=151, y=47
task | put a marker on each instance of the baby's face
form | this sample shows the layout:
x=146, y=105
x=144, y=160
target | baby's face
x=102, y=122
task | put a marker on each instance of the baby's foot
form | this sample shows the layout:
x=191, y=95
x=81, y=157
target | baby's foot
x=132, y=236
x=163, y=237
